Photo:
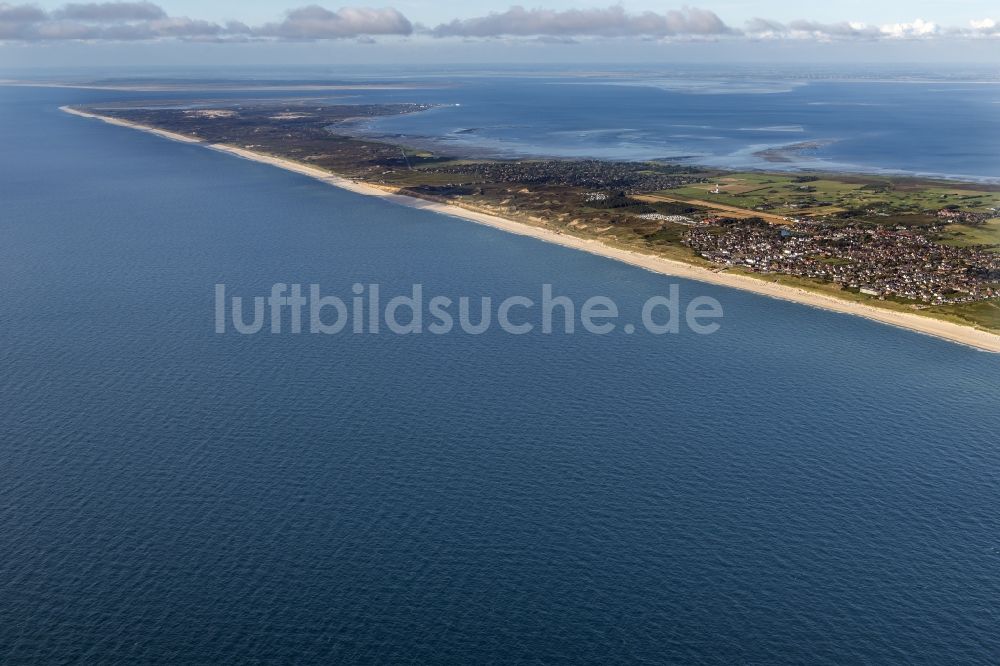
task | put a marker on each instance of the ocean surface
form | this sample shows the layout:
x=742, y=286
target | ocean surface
x=800, y=487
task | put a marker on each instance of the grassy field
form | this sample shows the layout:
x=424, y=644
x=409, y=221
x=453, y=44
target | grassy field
x=797, y=195
x=984, y=314
x=961, y=235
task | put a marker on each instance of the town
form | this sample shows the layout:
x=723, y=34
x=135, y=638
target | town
x=876, y=261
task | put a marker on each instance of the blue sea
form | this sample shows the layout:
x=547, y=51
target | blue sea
x=799, y=487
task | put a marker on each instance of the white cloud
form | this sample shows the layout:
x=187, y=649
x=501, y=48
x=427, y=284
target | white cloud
x=110, y=11
x=986, y=27
x=803, y=29
x=315, y=22
x=830, y=31
x=609, y=22
x=132, y=21
x=113, y=21
x=918, y=28
x=143, y=20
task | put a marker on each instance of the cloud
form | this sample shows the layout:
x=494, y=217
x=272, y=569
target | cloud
x=759, y=26
x=827, y=31
x=111, y=11
x=144, y=20
x=133, y=21
x=315, y=22
x=20, y=13
x=918, y=28
x=810, y=30
x=850, y=30
x=108, y=21
x=609, y=22
x=986, y=27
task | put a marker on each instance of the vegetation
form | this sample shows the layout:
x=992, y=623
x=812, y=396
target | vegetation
x=841, y=195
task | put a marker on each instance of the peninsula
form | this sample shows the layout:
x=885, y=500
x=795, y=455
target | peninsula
x=921, y=255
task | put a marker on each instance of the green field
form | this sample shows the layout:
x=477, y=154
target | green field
x=984, y=314
x=797, y=195
x=962, y=235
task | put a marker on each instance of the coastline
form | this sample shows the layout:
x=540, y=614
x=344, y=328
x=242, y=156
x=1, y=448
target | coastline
x=945, y=330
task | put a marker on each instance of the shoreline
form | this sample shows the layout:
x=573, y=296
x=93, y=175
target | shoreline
x=957, y=333
x=234, y=87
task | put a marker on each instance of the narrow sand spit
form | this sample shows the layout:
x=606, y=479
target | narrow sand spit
x=941, y=329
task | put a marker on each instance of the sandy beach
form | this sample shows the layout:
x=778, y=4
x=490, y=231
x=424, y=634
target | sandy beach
x=941, y=329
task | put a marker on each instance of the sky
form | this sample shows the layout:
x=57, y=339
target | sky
x=226, y=32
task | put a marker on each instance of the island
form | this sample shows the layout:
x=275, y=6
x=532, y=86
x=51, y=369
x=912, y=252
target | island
x=917, y=253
